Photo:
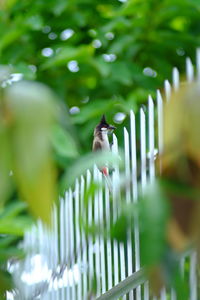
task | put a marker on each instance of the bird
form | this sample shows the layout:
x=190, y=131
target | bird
x=101, y=141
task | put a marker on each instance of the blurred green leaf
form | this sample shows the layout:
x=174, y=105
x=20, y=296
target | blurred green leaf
x=66, y=54
x=31, y=108
x=7, y=240
x=6, y=282
x=15, y=226
x=94, y=110
x=124, y=76
x=11, y=253
x=35, y=22
x=12, y=210
x=5, y=165
x=64, y=143
x=154, y=215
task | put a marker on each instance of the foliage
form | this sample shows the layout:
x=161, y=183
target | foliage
x=97, y=57
x=100, y=56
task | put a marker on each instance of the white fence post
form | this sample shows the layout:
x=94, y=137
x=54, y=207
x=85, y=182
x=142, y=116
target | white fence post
x=175, y=79
x=151, y=139
x=198, y=63
x=189, y=70
x=167, y=88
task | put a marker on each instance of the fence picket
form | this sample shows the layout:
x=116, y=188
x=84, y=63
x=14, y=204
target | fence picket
x=198, y=64
x=160, y=122
x=117, y=199
x=163, y=294
x=72, y=247
x=135, y=195
x=151, y=139
x=146, y=290
x=167, y=88
x=55, y=256
x=90, y=237
x=102, y=248
x=67, y=249
x=143, y=148
x=175, y=79
x=193, y=276
x=108, y=243
x=63, y=257
x=189, y=70
x=83, y=238
x=173, y=294
x=97, y=244
x=78, y=238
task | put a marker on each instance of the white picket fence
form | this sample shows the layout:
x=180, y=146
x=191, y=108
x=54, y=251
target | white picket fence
x=62, y=264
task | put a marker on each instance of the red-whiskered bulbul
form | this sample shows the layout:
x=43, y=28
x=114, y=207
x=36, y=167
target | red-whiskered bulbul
x=100, y=141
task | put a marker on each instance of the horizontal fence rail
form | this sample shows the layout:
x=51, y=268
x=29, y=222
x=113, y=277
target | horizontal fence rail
x=67, y=264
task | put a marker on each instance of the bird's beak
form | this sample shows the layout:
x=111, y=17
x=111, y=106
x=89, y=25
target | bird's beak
x=111, y=127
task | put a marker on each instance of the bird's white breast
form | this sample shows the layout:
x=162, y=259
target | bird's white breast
x=105, y=141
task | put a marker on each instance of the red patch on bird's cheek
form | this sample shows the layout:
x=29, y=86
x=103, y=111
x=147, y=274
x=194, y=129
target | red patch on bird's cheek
x=104, y=170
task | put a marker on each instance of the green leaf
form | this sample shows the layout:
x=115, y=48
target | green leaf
x=66, y=54
x=6, y=241
x=10, y=253
x=12, y=210
x=5, y=163
x=6, y=282
x=63, y=143
x=32, y=108
x=94, y=110
x=102, y=67
x=154, y=214
x=121, y=73
x=15, y=226
x=35, y=22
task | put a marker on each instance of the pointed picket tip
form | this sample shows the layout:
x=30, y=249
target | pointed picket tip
x=159, y=96
x=189, y=70
x=167, y=88
x=150, y=108
x=160, y=121
x=125, y=131
x=115, y=140
x=126, y=143
x=142, y=115
x=132, y=129
x=88, y=177
x=175, y=78
x=82, y=179
x=88, y=173
x=150, y=99
x=70, y=192
x=66, y=195
x=76, y=184
x=132, y=116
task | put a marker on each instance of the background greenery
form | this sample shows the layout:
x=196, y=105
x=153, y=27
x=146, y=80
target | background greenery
x=96, y=57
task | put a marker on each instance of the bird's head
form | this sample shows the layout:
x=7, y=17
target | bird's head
x=104, y=127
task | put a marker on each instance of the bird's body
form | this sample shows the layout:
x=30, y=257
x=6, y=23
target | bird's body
x=101, y=141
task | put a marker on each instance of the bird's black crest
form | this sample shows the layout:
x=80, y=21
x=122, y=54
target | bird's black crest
x=103, y=122
x=103, y=119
